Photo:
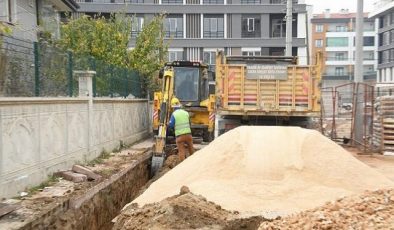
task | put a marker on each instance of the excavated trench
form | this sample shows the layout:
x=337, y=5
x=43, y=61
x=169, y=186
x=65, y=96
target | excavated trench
x=96, y=207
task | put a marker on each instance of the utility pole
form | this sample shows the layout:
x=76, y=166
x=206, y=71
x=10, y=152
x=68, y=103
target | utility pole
x=358, y=76
x=289, y=28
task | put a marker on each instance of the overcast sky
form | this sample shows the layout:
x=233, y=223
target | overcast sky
x=336, y=5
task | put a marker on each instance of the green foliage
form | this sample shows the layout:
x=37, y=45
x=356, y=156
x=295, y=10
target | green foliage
x=104, y=39
x=100, y=159
x=148, y=55
x=49, y=182
x=107, y=40
x=4, y=29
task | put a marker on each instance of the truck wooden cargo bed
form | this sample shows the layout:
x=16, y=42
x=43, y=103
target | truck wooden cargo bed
x=267, y=86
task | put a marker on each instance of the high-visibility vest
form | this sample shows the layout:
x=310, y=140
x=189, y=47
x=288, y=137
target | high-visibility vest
x=182, y=125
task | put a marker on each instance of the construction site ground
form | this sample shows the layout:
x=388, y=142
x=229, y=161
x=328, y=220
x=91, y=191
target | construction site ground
x=44, y=199
x=186, y=210
x=205, y=214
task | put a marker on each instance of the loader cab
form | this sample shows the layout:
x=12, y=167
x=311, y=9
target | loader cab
x=191, y=83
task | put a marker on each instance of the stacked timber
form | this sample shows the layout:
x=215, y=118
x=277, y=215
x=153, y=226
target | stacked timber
x=384, y=125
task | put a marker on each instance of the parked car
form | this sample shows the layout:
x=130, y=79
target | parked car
x=347, y=106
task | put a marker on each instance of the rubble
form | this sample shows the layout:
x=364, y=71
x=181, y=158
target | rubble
x=371, y=210
x=72, y=176
x=89, y=173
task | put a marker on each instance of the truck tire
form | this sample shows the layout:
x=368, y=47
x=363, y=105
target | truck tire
x=207, y=136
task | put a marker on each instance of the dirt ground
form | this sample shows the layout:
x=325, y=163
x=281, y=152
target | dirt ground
x=383, y=164
x=183, y=211
x=44, y=199
x=371, y=210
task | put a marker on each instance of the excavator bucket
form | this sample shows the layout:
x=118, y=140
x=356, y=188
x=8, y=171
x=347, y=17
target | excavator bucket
x=159, y=154
x=157, y=163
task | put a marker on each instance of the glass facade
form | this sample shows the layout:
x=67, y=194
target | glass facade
x=337, y=42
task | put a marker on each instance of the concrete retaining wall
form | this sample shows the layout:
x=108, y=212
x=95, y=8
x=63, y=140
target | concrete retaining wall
x=39, y=136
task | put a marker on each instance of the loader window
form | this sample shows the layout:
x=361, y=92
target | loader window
x=186, y=83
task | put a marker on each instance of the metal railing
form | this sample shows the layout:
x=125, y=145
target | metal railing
x=32, y=69
x=213, y=1
x=250, y=1
x=172, y=1
x=213, y=34
x=253, y=34
x=174, y=34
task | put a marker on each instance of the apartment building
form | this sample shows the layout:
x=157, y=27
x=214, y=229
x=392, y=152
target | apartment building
x=384, y=14
x=197, y=28
x=334, y=35
x=28, y=17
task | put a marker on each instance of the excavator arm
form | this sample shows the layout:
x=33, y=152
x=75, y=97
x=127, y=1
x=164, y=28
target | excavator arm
x=164, y=117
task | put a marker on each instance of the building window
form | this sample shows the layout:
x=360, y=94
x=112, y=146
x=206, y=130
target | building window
x=136, y=26
x=251, y=26
x=277, y=1
x=339, y=56
x=385, y=56
x=369, y=41
x=338, y=42
x=278, y=28
x=339, y=71
x=132, y=1
x=368, y=55
x=250, y=1
x=172, y=1
x=341, y=28
x=391, y=36
x=174, y=26
x=319, y=43
x=385, y=38
x=213, y=26
x=391, y=56
x=219, y=2
x=368, y=69
x=251, y=53
x=386, y=20
x=209, y=57
x=7, y=13
x=175, y=55
x=319, y=28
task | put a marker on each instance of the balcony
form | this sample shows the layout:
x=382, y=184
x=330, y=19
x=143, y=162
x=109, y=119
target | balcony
x=213, y=34
x=254, y=34
x=256, y=2
x=218, y=2
x=172, y=1
x=174, y=34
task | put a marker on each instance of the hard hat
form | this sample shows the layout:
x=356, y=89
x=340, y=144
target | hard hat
x=175, y=103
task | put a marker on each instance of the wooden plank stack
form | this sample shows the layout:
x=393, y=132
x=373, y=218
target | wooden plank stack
x=383, y=125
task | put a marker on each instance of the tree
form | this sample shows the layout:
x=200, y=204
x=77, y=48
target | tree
x=148, y=55
x=107, y=40
x=101, y=38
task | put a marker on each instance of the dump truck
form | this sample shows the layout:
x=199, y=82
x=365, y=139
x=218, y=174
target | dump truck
x=259, y=90
x=190, y=82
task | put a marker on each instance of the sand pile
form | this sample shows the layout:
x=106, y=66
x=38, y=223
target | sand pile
x=371, y=210
x=268, y=171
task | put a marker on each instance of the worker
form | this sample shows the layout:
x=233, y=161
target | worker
x=180, y=121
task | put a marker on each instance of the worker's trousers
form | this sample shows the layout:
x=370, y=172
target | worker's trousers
x=181, y=140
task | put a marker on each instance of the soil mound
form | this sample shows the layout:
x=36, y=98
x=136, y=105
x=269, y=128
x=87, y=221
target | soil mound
x=371, y=210
x=269, y=171
x=183, y=211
